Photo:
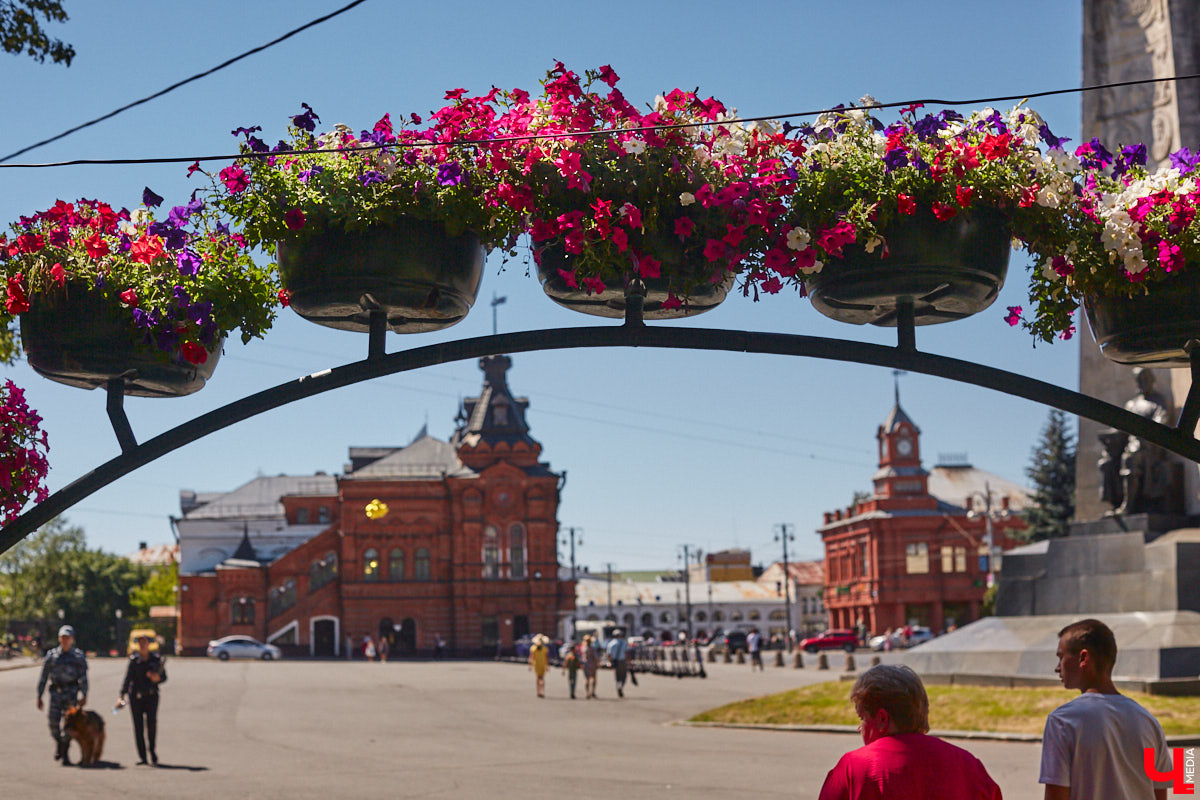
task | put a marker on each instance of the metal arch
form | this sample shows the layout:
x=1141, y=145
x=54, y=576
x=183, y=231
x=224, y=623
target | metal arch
x=633, y=333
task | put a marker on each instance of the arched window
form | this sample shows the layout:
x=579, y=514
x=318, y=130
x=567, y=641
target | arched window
x=421, y=565
x=718, y=616
x=701, y=616
x=777, y=614
x=322, y=572
x=491, y=553
x=628, y=620
x=735, y=616
x=396, y=565
x=754, y=614
x=281, y=598
x=243, y=611
x=371, y=565
x=647, y=619
x=516, y=550
x=665, y=618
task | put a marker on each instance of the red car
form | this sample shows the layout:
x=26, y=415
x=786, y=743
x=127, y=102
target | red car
x=830, y=640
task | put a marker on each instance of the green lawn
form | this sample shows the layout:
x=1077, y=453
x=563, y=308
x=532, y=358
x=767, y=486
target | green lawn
x=963, y=708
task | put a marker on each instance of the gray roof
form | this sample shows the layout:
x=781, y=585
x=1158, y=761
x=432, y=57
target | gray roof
x=954, y=484
x=425, y=458
x=261, y=497
x=896, y=417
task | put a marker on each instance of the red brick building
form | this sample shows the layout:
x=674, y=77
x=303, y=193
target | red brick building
x=466, y=551
x=915, y=551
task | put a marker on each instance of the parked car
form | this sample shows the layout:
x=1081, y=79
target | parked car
x=730, y=642
x=920, y=635
x=830, y=640
x=242, y=647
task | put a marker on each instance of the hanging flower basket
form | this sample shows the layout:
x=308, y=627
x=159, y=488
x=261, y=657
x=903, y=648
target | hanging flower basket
x=421, y=277
x=555, y=265
x=82, y=339
x=949, y=270
x=1149, y=328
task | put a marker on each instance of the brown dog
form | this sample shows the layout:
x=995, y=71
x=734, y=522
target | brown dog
x=87, y=728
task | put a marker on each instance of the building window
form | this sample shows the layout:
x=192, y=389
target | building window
x=243, y=611
x=777, y=614
x=735, y=616
x=803, y=605
x=421, y=567
x=322, y=572
x=301, y=516
x=323, y=515
x=371, y=565
x=983, y=558
x=281, y=598
x=396, y=565
x=718, y=616
x=960, y=559
x=489, y=632
x=701, y=616
x=754, y=615
x=491, y=553
x=947, y=558
x=516, y=550
x=916, y=558
x=628, y=620
x=665, y=618
x=866, y=557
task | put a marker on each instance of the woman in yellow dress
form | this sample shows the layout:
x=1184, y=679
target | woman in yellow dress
x=539, y=658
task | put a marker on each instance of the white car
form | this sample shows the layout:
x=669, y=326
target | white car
x=919, y=636
x=242, y=647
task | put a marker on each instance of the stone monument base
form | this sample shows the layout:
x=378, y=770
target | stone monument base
x=1150, y=646
x=1151, y=524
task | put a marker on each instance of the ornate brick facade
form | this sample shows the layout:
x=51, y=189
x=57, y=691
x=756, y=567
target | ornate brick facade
x=467, y=551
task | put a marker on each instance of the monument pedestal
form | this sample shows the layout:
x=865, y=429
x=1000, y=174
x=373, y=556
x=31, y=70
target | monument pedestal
x=1149, y=524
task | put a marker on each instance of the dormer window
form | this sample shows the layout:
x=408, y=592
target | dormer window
x=499, y=414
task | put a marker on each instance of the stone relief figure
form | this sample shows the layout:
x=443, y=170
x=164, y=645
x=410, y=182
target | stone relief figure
x=1112, y=487
x=1148, y=479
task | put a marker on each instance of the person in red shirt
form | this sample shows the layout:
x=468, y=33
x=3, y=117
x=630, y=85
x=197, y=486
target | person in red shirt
x=899, y=759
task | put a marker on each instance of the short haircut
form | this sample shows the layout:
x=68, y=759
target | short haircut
x=1095, y=637
x=899, y=691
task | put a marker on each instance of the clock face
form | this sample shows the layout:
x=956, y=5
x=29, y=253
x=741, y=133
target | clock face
x=904, y=447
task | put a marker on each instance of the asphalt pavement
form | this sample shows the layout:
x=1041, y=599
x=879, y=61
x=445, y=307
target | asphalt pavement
x=300, y=729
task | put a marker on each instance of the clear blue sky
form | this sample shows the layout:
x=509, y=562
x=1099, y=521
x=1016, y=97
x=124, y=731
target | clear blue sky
x=661, y=448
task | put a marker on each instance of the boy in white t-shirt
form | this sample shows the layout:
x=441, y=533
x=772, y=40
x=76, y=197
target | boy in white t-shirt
x=1092, y=746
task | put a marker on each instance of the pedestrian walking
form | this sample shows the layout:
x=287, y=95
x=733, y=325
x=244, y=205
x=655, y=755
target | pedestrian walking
x=570, y=668
x=144, y=674
x=65, y=668
x=887, y=641
x=369, y=648
x=539, y=659
x=618, y=650
x=590, y=661
x=439, y=647
x=899, y=759
x=384, y=647
x=1093, y=746
x=754, y=647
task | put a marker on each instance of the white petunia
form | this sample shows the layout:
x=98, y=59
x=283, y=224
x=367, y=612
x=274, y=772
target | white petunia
x=815, y=268
x=798, y=239
x=634, y=146
x=686, y=199
x=140, y=217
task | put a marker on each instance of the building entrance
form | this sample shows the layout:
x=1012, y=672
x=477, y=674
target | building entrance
x=325, y=638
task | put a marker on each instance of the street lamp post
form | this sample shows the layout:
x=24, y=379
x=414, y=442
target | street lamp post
x=989, y=516
x=784, y=533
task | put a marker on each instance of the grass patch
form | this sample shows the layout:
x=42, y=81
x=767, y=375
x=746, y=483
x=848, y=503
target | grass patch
x=962, y=708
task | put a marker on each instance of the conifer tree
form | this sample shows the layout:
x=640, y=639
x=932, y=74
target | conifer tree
x=1052, y=472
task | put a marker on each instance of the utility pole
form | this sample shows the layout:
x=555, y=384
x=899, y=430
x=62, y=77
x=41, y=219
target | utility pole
x=687, y=585
x=610, y=611
x=573, y=541
x=496, y=301
x=784, y=532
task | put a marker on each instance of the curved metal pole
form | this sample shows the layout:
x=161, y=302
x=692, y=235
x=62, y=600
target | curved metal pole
x=627, y=335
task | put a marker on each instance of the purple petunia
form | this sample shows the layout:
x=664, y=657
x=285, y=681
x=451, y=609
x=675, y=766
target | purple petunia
x=450, y=174
x=895, y=160
x=1184, y=160
x=306, y=121
x=200, y=312
x=371, y=176
x=927, y=127
x=151, y=199
x=188, y=262
x=308, y=173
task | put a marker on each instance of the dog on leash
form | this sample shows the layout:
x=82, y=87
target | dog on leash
x=87, y=728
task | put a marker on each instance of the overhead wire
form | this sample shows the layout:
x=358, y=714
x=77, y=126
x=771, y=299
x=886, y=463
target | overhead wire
x=585, y=133
x=184, y=82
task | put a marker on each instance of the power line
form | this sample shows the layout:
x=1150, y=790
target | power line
x=931, y=101
x=185, y=81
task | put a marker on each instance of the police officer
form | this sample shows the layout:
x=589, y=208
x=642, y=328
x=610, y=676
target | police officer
x=66, y=669
x=140, y=688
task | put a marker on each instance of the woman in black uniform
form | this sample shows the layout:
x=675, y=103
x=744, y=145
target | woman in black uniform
x=142, y=678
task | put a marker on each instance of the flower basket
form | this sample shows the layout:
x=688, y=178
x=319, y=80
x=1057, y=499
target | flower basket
x=1151, y=328
x=423, y=278
x=81, y=339
x=949, y=270
x=610, y=302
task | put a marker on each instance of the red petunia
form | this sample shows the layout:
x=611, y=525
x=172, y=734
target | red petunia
x=649, y=267
x=58, y=274
x=906, y=205
x=193, y=353
x=96, y=246
x=963, y=195
x=147, y=249
x=16, y=302
x=285, y=298
x=129, y=297
x=944, y=211
x=684, y=227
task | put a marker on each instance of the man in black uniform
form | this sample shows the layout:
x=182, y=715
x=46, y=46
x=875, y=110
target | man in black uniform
x=145, y=672
x=66, y=669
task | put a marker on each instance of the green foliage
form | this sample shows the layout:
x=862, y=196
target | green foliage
x=20, y=30
x=988, y=607
x=158, y=590
x=1052, y=471
x=52, y=570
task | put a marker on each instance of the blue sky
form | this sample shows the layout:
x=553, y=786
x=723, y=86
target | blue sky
x=661, y=448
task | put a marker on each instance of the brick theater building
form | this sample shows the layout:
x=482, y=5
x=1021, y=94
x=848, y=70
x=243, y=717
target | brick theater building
x=466, y=551
x=914, y=552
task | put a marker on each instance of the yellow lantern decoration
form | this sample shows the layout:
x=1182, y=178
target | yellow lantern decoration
x=376, y=509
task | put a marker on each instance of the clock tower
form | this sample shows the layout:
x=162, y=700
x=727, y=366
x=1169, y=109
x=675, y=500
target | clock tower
x=900, y=473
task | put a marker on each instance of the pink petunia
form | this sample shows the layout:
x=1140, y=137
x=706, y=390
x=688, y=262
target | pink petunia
x=594, y=285
x=649, y=267
x=1014, y=315
x=684, y=227
x=235, y=179
x=294, y=219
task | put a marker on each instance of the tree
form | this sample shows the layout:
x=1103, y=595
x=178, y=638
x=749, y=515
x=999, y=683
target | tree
x=53, y=570
x=1052, y=471
x=158, y=590
x=20, y=30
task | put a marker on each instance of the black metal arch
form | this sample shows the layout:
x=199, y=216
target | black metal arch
x=633, y=333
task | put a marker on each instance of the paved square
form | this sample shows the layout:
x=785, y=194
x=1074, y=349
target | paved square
x=302, y=729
